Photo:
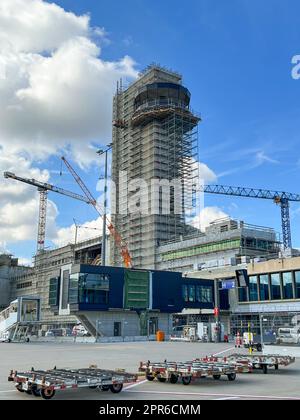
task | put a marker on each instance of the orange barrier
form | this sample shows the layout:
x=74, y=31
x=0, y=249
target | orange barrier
x=160, y=336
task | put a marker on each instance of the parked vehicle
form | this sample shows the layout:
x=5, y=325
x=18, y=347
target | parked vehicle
x=80, y=331
x=288, y=335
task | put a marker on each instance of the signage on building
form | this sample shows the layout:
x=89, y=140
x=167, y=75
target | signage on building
x=216, y=311
x=228, y=284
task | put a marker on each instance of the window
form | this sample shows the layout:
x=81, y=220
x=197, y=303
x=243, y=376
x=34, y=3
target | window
x=297, y=284
x=253, y=289
x=192, y=294
x=275, y=286
x=93, y=288
x=243, y=294
x=264, y=287
x=204, y=294
x=185, y=293
x=73, y=288
x=54, y=291
x=287, y=283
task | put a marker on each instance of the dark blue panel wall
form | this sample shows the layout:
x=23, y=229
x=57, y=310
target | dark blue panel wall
x=166, y=288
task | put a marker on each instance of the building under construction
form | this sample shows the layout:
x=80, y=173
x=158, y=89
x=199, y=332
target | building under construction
x=155, y=137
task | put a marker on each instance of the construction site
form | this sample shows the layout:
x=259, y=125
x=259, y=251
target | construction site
x=151, y=271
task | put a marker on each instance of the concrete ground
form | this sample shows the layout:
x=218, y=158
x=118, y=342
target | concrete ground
x=282, y=384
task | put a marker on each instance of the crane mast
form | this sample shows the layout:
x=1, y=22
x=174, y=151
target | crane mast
x=122, y=245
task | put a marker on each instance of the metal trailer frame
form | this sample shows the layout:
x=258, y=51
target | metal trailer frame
x=188, y=371
x=263, y=362
x=45, y=383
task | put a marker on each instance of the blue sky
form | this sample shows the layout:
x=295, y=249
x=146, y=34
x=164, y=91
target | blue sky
x=235, y=57
x=236, y=60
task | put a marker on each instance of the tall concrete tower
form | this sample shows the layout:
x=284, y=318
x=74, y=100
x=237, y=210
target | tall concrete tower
x=155, y=137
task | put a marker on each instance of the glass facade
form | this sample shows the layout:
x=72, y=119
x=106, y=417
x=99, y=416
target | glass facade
x=198, y=294
x=275, y=286
x=253, y=289
x=287, y=285
x=89, y=288
x=192, y=294
x=264, y=287
x=54, y=291
x=297, y=284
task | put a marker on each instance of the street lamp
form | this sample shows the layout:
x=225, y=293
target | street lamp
x=100, y=153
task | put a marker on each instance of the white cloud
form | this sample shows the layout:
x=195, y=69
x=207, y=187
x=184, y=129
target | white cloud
x=206, y=174
x=37, y=26
x=20, y=202
x=55, y=96
x=207, y=216
x=86, y=231
x=59, y=100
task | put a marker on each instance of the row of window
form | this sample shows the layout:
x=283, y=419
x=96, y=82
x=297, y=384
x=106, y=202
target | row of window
x=24, y=285
x=202, y=249
x=197, y=294
x=274, y=286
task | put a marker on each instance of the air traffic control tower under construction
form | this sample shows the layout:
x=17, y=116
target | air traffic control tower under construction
x=155, y=136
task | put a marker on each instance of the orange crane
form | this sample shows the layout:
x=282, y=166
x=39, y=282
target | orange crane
x=122, y=245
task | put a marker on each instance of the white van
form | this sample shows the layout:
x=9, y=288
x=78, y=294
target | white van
x=288, y=335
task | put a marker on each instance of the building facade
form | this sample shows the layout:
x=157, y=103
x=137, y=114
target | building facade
x=224, y=243
x=154, y=139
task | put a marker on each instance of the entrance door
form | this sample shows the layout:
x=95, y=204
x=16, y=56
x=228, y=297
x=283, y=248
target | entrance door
x=153, y=326
x=117, y=329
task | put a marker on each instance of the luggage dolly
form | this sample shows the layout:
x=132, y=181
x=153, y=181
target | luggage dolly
x=263, y=362
x=45, y=383
x=188, y=371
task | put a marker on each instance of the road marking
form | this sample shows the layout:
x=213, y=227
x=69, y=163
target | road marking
x=7, y=392
x=224, y=351
x=226, y=398
x=270, y=397
x=135, y=384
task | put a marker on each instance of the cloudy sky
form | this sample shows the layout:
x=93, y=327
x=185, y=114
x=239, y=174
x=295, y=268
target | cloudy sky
x=59, y=63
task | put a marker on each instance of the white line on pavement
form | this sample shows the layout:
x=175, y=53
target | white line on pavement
x=224, y=351
x=226, y=398
x=134, y=385
x=7, y=392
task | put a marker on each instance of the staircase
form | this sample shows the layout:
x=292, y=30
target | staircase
x=88, y=325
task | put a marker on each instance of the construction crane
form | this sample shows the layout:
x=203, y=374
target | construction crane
x=280, y=198
x=43, y=189
x=122, y=245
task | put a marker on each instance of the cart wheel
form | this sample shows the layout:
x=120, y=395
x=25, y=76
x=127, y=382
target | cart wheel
x=116, y=388
x=231, y=376
x=217, y=377
x=150, y=378
x=161, y=379
x=186, y=380
x=265, y=369
x=19, y=388
x=173, y=379
x=47, y=393
x=36, y=391
x=104, y=387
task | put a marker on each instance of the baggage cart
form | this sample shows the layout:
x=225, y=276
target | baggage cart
x=45, y=383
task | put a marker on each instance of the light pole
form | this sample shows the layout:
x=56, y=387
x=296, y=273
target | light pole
x=100, y=153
